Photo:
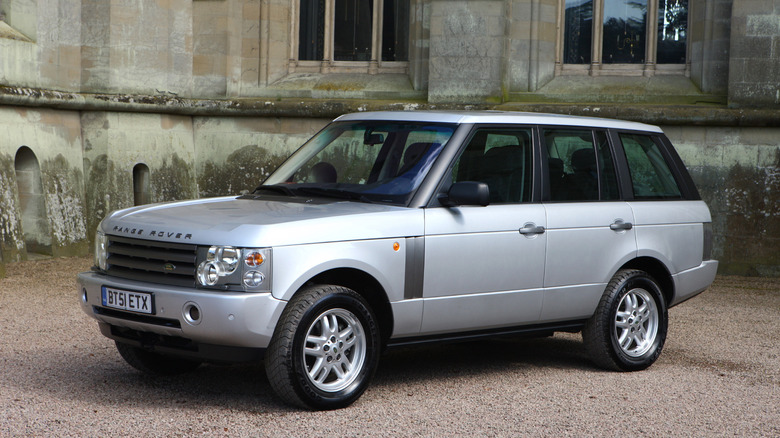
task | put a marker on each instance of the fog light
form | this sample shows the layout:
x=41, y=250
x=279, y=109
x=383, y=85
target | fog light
x=253, y=278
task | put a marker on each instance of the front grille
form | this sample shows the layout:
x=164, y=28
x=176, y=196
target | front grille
x=152, y=261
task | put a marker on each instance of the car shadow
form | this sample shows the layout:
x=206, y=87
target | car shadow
x=103, y=380
x=479, y=357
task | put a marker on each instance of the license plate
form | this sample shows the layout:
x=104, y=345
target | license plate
x=126, y=300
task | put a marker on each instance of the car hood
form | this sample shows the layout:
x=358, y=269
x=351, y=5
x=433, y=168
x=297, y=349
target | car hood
x=263, y=222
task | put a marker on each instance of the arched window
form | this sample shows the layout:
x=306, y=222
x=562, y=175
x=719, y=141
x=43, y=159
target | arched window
x=35, y=221
x=140, y=184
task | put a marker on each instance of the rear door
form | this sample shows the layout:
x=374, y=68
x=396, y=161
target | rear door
x=484, y=266
x=590, y=230
x=668, y=215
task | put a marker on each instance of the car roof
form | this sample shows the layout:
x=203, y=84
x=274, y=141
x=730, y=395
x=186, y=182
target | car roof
x=498, y=117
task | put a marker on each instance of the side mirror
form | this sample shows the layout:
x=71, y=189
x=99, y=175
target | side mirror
x=466, y=193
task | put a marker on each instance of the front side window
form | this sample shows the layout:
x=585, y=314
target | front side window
x=353, y=30
x=627, y=32
x=501, y=158
x=364, y=161
x=651, y=177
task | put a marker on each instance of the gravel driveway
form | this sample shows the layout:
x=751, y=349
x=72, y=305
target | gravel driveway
x=719, y=375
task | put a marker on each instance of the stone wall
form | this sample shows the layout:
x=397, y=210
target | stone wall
x=56, y=204
x=754, y=65
x=710, y=33
x=200, y=95
x=466, y=50
x=737, y=172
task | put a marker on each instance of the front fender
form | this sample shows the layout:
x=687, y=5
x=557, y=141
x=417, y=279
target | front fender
x=293, y=266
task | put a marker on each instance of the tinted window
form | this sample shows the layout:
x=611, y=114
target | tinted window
x=580, y=169
x=650, y=174
x=501, y=158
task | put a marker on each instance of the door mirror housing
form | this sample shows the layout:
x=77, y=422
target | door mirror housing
x=466, y=193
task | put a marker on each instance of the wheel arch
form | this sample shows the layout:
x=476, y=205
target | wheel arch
x=366, y=286
x=658, y=271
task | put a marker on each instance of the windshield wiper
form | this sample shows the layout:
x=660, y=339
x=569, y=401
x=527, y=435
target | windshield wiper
x=275, y=188
x=335, y=193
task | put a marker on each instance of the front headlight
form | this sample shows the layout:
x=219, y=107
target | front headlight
x=101, y=250
x=231, y=268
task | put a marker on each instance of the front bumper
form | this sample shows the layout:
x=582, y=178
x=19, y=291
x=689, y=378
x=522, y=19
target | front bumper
x=226, y=320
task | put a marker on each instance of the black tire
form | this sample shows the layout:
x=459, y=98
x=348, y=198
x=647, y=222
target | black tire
x=628, y=330
x=351, y=349
x=154, y=363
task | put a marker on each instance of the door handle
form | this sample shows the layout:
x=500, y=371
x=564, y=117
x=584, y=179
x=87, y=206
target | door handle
x=619, y=225
x=531, y=228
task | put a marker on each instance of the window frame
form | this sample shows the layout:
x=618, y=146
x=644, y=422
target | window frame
x=616, y=163
x=597, y=68
x=688, y=190
x=530, y=155
x=328, y=64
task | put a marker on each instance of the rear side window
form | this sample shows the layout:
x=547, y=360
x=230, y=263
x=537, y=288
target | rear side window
x=651, y=177
x=580, y=165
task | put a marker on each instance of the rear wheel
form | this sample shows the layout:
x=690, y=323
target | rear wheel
x=628, y=330
x=155, y=363
x=324, y=350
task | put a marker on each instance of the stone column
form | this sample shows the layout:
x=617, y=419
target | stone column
x=754, y=66
x=710, y=28
x=467, y=46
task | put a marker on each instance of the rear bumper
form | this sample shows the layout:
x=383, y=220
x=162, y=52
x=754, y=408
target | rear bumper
x=691, y=282
x=233, y=321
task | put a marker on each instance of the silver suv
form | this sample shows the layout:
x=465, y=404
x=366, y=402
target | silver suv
x=396, y=228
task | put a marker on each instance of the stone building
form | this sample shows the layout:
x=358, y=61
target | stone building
x=106, y=104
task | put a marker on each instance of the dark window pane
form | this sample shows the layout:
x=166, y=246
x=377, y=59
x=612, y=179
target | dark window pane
x=572, y=163
x=579, y=32
x=625, y=28
x=395, y=30
x=501, y=158
x=352, y=30
x=650, y=175
x=672, y=31
x=311, y=33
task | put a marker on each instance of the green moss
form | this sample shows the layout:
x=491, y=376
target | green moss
x=243, y=170
x=172, y=181
x=98, y=192
x=65, y=206
x=11, y=238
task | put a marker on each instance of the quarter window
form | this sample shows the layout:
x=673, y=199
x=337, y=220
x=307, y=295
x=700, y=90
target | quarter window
x=501, y=158
x=651, y=177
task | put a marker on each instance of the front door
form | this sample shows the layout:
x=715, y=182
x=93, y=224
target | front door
x=484, y=266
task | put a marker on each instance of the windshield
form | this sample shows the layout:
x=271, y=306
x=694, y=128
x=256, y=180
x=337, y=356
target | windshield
x=367, y=161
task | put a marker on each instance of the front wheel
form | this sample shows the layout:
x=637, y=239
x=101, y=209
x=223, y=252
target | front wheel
x=325, y=349
x=628, y=330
